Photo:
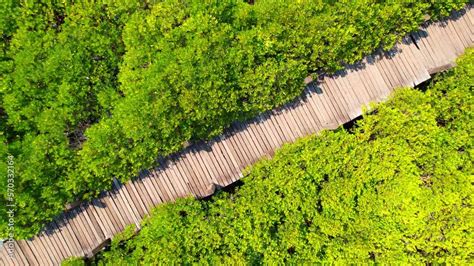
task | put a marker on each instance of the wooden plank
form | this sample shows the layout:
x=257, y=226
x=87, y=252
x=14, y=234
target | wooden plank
x=184, y=175
x=6, y=259
x=378, y=79
x=430, y=50
x=454, y=38
x=290, y=132
x=299, y=118
x=220, y=166
x=227, y=143
x=274, y=123
x=92, y=228
x=164, y=193
x=194, y=182
x=102, y=214
x=84, y=230
x=416, y=58
x=278, y=119
x=315, y=125
x=464, y=30
x=106, y=219
x=249, y=143
x=137, y=198
x=71, y=219
x=63, y=223
x=124, y=206
x=121, y=200
x=277, y=131
x=50, y=247
x=368, y=83
x=437, y=46
x=406, y=66
x=470, y=18
x=212, y=169
x=392, y=62
x=196, y=173
x=208, y=177
x=385, y=72
x=199, y=173
x=224, y=169
x=358, y=97
x=133, y=199
x=399, y=69
x=352, y=99
x=358, y=88
x=145, y=194
x=120, y=220
x=48, y=257
x=291, y=121
x=368, y=78
x=122, y=210
x=63, y=239
x=461, y=31
x=352, y=102
x=470, y=15
x=228, y=153
x=20, y=257
x=98, y=226
x=223, y=157
x=446, y=46
x=152, y=190
x=331, y=95
x=107, y=213
x=147, y=182
x=177, y=178
x=29, y=255
x=291, y=128
x=257, y=150
x=337, y=98
x=39, y=253
x=316, y=106
x=236, y=145
x=165, y=181
x=428, y=60
x=56, y=241
x=263, y=139
x=265, y=126
x=264, y=135
x=303, y=117
x=183, y=170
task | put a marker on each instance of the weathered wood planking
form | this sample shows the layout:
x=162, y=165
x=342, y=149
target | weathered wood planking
x=200, y=169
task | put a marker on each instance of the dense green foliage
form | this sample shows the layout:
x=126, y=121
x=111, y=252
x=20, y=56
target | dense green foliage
x=73, y=261
x=96, y=90
x=395, y=189
x=58, y=77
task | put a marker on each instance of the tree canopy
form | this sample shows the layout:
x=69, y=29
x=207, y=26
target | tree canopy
x=94, y=90
x=396, y=188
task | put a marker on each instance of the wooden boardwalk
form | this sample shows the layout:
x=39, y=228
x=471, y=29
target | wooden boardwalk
x=200, y=169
